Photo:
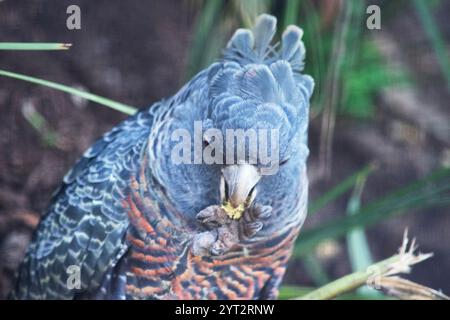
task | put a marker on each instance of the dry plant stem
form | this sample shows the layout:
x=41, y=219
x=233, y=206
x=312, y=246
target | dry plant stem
x=407, y=290
x=34, y=46
x=400, y=263
x=332, y=89
x=349, y=282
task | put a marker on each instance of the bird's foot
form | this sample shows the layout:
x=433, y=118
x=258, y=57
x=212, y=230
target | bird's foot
x=225, y=231
x=213, y=216
x=252, y=220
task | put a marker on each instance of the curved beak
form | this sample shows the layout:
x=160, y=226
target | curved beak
x=238, y=184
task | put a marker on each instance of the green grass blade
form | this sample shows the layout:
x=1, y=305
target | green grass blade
x=48, y=136
x=436, y=39
x=333, y=85
x=312, y=265
x=291, y=12
x=358, y=248
x=86, y=95
x=432, y=191
x=289, y=292
x=249, y=10
x=357, y=245
x=316, y=58
x=204, y=26
x=339, y=189
x=315, y=269
x=34, y=46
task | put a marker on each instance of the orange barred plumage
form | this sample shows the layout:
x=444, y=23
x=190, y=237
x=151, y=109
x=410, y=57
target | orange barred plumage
x=175, y=273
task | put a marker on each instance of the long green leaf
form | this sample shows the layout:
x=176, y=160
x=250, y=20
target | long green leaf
x=436, y=39
x=291, y=12
x=357, y=245
x=315, y=269
x=204, y=26
x=86, y=95
x=250, y=9
x=312, y=265
x=48, y=136
x=358, y=248
x=288, y=292
x=34, y=46
x=434, y=190
x=339, y=189
x=316, y=58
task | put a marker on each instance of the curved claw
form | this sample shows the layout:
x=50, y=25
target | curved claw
x=218, y=248
x=250, y=229
x=264, y=212
x=212, y=216
x=253, y=220
x=258, y=212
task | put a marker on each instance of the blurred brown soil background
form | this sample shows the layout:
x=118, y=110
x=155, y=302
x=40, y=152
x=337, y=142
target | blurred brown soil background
x=135, y=52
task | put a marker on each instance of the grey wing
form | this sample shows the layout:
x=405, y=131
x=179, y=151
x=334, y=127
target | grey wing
x=82, y=236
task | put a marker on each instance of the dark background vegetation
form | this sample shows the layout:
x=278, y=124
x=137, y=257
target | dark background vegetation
x=392, y=111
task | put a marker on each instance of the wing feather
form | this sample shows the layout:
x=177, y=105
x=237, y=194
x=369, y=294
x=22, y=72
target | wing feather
x=87, y=223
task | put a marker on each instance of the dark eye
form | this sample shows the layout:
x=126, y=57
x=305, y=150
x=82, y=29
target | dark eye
x=283, y=162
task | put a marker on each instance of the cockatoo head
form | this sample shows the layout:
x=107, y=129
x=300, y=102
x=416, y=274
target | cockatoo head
x=258, y=94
